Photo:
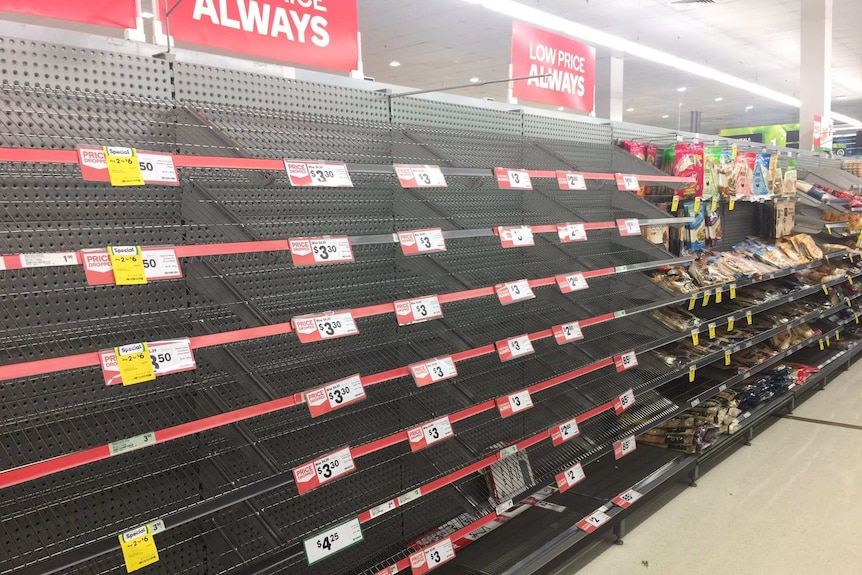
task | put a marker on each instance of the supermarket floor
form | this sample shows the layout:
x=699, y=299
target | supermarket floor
x=791, y=503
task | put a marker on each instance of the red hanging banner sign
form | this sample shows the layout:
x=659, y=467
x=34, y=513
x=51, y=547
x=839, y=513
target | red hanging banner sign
x=114, y=13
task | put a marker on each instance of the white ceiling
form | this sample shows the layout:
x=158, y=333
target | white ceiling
x=445, y=42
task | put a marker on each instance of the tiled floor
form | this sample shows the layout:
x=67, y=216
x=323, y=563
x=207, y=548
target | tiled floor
x=791, y=503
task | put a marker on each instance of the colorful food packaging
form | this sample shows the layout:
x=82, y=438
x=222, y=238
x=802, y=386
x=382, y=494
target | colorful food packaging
x=688, y=163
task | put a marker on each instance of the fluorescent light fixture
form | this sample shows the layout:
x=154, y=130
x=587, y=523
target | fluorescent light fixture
x=537, y=17
x=630, y=109
x=666, y=116
x=841, y=97
x=474, y=79
x=394, y=63
x=682, y=89
x=147, y=15
x=719, y=99
x=846, y=119
x=749, y=107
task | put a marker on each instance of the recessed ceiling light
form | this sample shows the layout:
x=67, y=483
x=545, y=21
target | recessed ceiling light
x=474, y=79
x=630, y=109
x=719, y=99
x=147, y=14
x=841, y=97
x=394, y=63
x=666, y=116
x=749, y=107
x=683, y=89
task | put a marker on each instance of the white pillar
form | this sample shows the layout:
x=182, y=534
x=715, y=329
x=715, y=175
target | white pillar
x=816, y=67
x=609, y=88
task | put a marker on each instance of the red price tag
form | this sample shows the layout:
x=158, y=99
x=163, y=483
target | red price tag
x=626, y=361
x=513, y=179
x=410, y=311
x=624, y=446
x=420, y=176
x=570, y=477
x=592, y=522
x=568, y=332
x=564, y=432
x=324, y=470
x=336, y=395
x=624, y=401
x=571, y=181
x=515, y=403
x=572, y=283
x=630, y=227
x=571, y=233
x=514, y=347
x=170, y=356
x=430, y=433
x=516, y=237
x=433, y=370
x=160, y=263
x=625, y=500
x=156, y=168
x=318, y=174
x=432, y=557
x=422, y=241
x=323, y=250
x=329, y=325
x=627, y=183
x=514, y=291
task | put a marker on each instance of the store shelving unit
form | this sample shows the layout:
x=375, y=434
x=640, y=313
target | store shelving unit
x=215, y=474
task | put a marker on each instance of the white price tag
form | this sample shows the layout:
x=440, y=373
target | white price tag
x=408, y=497
x=432, y=557
x=572, y=283
x=433, y=370
x=514, y=347
x=47, y=260
x=626, y=361
x=572, y=233
x=420, y=176
x=624, y=402
x=170, y=356
x=412, y=311
x=514, y=403
x=324, y=326
x=627, y=182
x=422, y=241
x=382, y=509
x=132, y=443
x=629, y=227
x=335, y=395
x=625, y=500
x=430, y=433
x=564, y=432
x=514, y=291
x=161, y=263
x=571, y=181
x=516, y=237
x=567, y=332
x=318, y=174
x=320, y=471
x=513, y=179
x=332, y=541
x=570, y=477
x=324, y=250
x=624, y=446
x=593, y=522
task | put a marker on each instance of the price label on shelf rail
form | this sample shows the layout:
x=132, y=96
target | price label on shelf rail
x=318, y=174
x=570, y=477
x=159, y=263
x=516, y=236
x=127, y=265
x=512, y=292
x=154, y=168
x=324, y=470
x=627, y=182
x=48, y=260
x=514, y=403
x=592, y=522
x=571, y=181
x=624, y=402
x=139, y=548
x=624, y=446
x=323, y=250
x=329, y=325
x=335, y=395
x=410, y=176
x=625, y=361
x=629, y=227
x=571, y=233
x=422, y=241
x=332, y=541
x=513, y=179
x=627, y=499
x=564, y=432
x=410, y=311
x=132, y=363
x=430, y=433
x=514, y=347
x=165, y=357
x=567, y=333
x=432, y=557
x=572, y=283
x=433, y=370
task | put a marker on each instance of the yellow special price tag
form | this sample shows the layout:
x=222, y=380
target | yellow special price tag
x=825, y=290
x=734, y=150
x=727, y=358
x=837, y=336
x=731, y=203
x=859, y=241
x=822, y=347
x=692, y=302
x=748, y=317
x=850, y=280
x=856, y=318
x=127, y=264
x=123, y=166
x=730, y=322
x=695, y=337
x=718, y=295
x=706, y=295
x=692, y=371
x=714, y=205
x=134, y=363
x=828, y=343
x=139, y=548
x=697, y=204
x=674, y=204
x=733, y=291
x=712, y=331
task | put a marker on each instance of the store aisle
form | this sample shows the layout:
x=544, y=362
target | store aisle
x=790, y=503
